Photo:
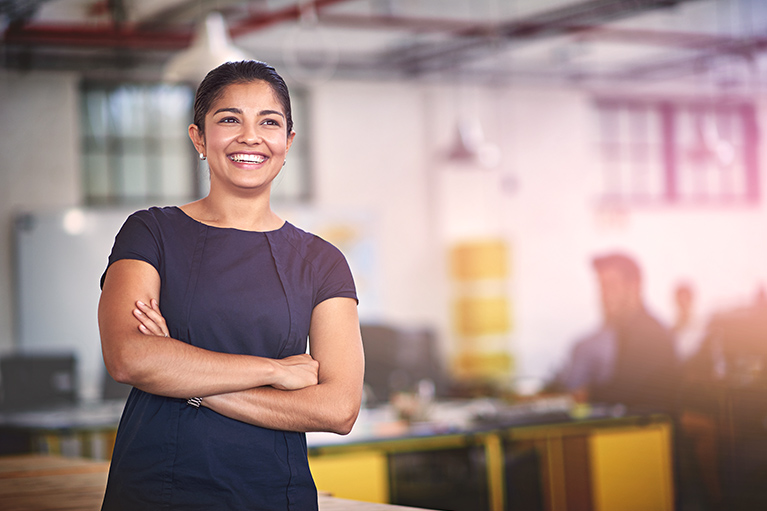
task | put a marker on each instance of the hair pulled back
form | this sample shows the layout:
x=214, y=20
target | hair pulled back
x=244, y=71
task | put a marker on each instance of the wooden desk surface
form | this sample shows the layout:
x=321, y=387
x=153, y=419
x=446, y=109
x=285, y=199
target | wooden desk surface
x=53, y=483
x=32, y=482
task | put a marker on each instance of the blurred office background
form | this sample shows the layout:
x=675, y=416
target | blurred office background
x=469, y=157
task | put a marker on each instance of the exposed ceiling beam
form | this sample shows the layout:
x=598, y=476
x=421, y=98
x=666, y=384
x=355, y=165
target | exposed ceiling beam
x=643, y=37
x=740, y=50
x=96, y=36
x=135, y=37
x=469, y=39
x=486, y=38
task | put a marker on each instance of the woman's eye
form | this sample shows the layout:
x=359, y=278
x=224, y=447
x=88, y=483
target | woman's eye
x=228, y=120
x=271, y=122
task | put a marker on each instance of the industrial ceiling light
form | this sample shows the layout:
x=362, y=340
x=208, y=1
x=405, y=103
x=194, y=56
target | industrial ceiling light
x=210, y=48
x=470, y=147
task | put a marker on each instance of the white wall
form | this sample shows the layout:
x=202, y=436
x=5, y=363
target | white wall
x=39, y=161
x=371, y=146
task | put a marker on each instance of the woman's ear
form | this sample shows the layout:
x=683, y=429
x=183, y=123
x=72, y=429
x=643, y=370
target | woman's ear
x=198, y=139
x=290, y=141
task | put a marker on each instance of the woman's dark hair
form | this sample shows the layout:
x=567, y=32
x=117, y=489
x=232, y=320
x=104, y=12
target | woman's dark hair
x=214, y=83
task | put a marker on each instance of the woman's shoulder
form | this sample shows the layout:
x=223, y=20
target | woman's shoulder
x=310, y=246
x=159, y=212
x=158, y=216
x=304, y=238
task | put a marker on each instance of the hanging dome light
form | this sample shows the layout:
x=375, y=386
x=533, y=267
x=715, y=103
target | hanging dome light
x=210, y=48
x=470, y=147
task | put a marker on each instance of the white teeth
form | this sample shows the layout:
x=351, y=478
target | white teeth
x=247, y=158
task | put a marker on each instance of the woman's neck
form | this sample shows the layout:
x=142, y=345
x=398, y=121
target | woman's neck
x=244, y=213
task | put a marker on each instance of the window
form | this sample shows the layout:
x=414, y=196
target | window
x=678, y=152
x=136, y=148
x=135, y=143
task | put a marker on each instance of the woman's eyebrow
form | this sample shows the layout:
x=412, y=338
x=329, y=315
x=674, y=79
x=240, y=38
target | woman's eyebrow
x=238, y=111
x=270, y=112
x=228, y=109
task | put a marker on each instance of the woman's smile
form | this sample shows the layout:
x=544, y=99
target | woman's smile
x=248, y=158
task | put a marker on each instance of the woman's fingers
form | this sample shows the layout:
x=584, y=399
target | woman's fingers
x=146, y=325
x=151, y=321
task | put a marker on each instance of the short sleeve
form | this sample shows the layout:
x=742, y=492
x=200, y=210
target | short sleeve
x=336, y=278
x=139, y=239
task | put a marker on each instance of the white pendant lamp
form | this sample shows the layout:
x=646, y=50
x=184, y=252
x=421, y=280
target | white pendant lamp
x=210, y=48
x=470, y=147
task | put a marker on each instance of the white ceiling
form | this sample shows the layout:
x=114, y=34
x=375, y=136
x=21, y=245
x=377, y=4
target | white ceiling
x=581, y=41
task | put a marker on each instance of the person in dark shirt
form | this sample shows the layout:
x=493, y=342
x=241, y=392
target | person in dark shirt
x=629, y=359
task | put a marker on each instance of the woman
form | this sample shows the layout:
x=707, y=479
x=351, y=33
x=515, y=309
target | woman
x=215, y=299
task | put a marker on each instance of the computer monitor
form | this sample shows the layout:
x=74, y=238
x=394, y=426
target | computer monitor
x=397, y=358
x=37, y=380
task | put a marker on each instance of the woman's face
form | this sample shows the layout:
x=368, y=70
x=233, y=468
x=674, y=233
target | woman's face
x=245, y=139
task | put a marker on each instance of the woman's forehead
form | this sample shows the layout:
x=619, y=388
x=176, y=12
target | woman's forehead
x=259, y=94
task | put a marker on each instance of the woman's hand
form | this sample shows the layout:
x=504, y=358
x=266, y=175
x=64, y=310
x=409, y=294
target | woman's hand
x=299, y=371
x=150, y=319
x=292, y=373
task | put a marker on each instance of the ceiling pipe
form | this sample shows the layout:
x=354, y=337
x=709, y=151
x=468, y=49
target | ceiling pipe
x=557, y=21
x=643, y=37
x=89, y=36
x=130, y=37
x=100, y=37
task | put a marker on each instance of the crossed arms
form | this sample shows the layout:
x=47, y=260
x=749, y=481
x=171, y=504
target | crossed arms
x=321, y=392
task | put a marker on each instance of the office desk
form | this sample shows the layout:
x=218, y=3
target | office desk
x=598, y=464
x=77, y=430
x=551, y=463
x=54, y=483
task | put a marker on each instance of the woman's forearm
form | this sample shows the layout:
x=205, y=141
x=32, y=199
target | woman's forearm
x=172, y=368
x=320, y=407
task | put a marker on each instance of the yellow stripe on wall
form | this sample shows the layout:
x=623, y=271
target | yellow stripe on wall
x=483, y=365
x=481, y=315
x=479, y=260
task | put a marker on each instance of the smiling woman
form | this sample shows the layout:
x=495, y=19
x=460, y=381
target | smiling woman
x=206, y=310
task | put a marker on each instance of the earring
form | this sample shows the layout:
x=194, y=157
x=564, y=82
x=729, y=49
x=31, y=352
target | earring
x=202, y=157
x=284, y=162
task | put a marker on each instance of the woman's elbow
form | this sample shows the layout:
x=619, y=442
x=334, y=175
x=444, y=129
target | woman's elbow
x=345, y=419
x=119, y=370
x=122, y=366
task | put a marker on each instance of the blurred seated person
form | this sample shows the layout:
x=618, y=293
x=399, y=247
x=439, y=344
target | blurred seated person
x=629, y=358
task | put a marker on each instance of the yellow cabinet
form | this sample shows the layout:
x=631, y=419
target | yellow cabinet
x=355, y=476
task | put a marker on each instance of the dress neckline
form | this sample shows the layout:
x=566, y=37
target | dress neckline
x=183, y=213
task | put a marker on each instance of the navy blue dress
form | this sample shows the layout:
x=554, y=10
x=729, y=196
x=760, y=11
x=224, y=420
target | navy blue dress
x=230, y=291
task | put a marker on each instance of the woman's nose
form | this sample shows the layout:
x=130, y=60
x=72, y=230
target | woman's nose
x=250, y=133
